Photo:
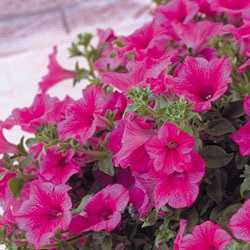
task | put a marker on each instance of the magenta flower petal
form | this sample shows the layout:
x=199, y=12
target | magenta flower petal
x=247, y=105
x=178, y=239
x=56, y=167
x=56, y=73
x=206, y=236
x=179, y=189
x=46, y=210
x=103, y=211
x=242, y=138
x=240, y=222
x=6, y=146
x=170, y=149
x=132, y=152
x=202, y=82
x=81, y=117
x=40, y=112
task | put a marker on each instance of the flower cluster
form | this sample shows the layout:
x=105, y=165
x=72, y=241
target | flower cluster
x=155, y=153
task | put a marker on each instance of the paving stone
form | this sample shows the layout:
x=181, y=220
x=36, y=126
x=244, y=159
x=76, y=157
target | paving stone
x=22, y=33
x=13, y=8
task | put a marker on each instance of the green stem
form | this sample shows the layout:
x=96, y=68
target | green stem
x=91, y=152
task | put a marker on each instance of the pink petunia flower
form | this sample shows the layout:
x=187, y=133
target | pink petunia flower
x=56, y=167
x=103, y=211
x=205, y=236
x=245, y=65
x=124, y=81
x=179, y=189
x=196, y=35
x=203, y=82
x=6, y=146
x=242, y=139
x=132, y=151
x=240, y=222
x=247, y=105
x=181, y=10
x=229, y=6
x=56, y=73
x=142, y=194
x=81, y=117
x=46, y=210
x=4, y=187
x=40, y=112
x=178, y=239
x=170, y=149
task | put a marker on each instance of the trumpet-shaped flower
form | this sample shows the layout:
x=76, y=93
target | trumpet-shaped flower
x=81, y=117
x=103, y=211
x=132, y=152
x=170, y=149
x=203, y=82
x=56, y=167
x=242, y=139
x=195, y=36
x=44, y=110
x=56, y=73
x=240, y=223
x=46, y=210
x=206, y=236
x=6, y=146
x=179, y=189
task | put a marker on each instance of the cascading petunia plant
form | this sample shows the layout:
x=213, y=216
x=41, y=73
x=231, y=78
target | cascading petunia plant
x=156, y=152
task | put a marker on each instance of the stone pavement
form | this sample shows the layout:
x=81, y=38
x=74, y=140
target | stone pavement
x=29, y=29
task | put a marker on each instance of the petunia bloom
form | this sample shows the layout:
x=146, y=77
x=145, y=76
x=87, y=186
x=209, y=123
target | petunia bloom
x=103, y=211
x=56, y=73
x=81, y=117
x=179, y=189
x=46, y=210
x=132, y=151
x=203, y=82
x=56, y=167
x=170, y=149
x=247, y=105
x=206, y=236
x=242, y=139
x=195, y=36
x=40, y=112
x=6, y=146
x=240, y=223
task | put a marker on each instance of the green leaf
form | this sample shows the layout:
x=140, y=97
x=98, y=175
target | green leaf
x=118, y=42
x=215, y=192
x=107, y=243
x=151, y=219
x=220, y=127
x=2, y=235
x=227, y=214
x=82, y=205
x=2, y=175
x=234, y=110
x=245, y=188
x=31, y=141
x=215, y=156
x=27, y=161
x=164, y=235
x=241, y=161
x=64, y=245
x=132, y=108
x=105, y=164
x=84, y=39
x=192, y=216
x=16, y=185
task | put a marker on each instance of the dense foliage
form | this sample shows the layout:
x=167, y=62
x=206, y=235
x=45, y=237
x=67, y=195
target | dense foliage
x=154, y=155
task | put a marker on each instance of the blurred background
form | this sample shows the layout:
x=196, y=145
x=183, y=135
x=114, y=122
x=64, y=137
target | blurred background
x=30, y=28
